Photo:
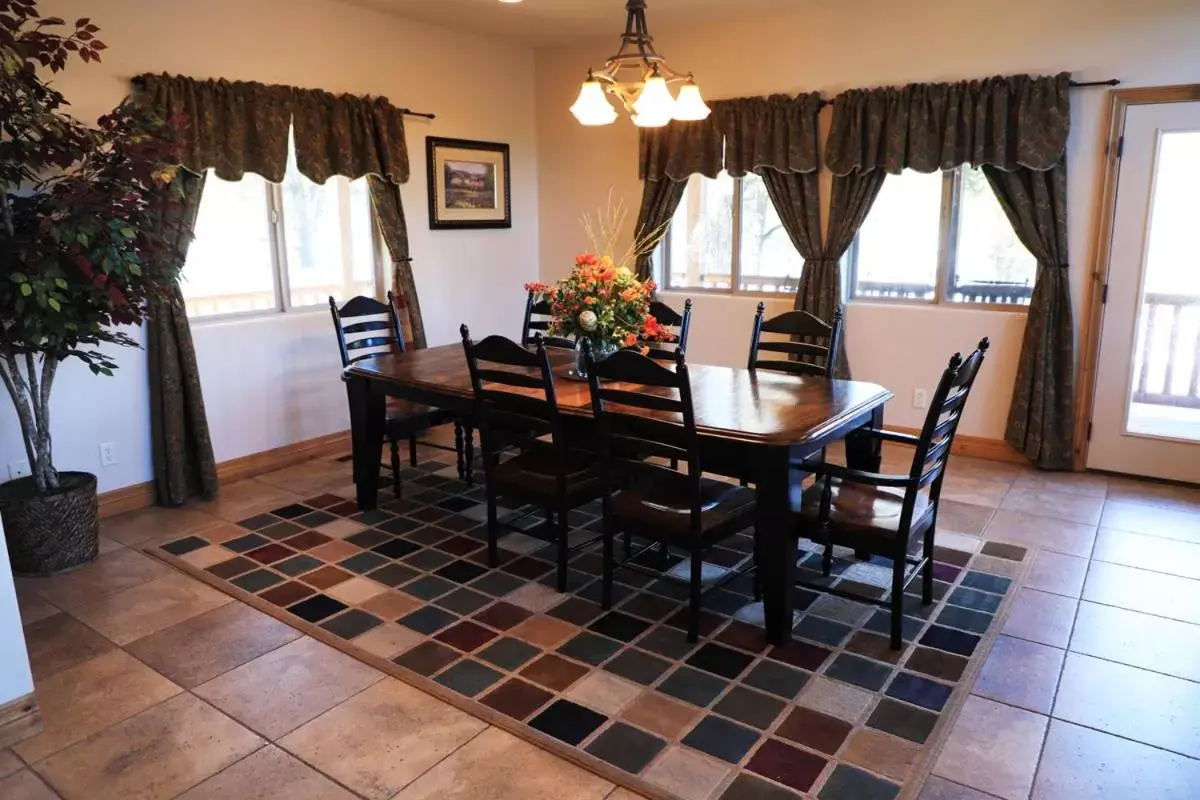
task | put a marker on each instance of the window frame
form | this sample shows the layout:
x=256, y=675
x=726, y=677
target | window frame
x=949, y=224
x=280, y=278
x=663, y=258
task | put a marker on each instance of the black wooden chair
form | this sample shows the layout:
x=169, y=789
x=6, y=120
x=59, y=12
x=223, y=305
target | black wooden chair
x=887, y=515
x=516, y=406
x=672, y=319
x=654, y=420
x=796, y=324
x=537, y=322
x=366, y=328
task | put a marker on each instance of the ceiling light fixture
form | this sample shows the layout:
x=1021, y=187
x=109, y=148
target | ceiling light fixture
x=647, y=97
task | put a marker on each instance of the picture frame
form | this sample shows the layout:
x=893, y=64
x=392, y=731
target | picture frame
x=469, y=184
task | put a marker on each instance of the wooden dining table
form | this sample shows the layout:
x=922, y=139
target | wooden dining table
x=754, y=425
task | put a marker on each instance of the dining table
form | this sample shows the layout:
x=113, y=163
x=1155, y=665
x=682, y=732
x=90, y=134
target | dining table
x=757, y=426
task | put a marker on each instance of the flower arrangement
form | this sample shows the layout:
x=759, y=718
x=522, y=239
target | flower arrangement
x=602, y=300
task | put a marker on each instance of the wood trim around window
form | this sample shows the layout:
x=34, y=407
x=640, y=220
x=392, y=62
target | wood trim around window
x=1093, y=307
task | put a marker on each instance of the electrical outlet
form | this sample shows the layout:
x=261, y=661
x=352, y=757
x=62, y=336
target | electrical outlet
x=920, y=399
x=108, y=454
x=18, y=469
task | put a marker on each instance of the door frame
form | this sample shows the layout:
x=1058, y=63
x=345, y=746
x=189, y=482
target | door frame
x=1093, y=304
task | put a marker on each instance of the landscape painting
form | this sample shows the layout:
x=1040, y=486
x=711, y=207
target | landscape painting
x=470, y=184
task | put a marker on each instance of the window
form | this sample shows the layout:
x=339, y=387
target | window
x=261, y=247
x=940, y=237
x=726, y=236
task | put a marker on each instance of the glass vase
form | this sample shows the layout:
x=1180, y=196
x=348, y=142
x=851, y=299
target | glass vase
x=601, y=349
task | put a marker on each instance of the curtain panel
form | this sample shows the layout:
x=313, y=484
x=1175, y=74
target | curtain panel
x=769, y=133
x=349, y=136
x=1009, y=122
x=389, y=210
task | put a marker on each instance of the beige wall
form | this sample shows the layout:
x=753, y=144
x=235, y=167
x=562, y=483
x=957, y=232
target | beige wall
x=272, y=381
x=833, y=45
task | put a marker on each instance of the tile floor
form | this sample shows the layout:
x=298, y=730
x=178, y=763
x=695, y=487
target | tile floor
x=153, y=685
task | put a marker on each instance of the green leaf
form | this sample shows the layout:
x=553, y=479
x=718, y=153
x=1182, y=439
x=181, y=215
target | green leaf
x=26, y=289
x=18, y=277
x=54, y=304
x=128, y=233
x=60, y=283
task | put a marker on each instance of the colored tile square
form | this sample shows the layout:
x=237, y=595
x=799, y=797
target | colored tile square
x=976, y=600
x=508, y=653
x=354, y=622
x=396, y=548
x=850, y=783
x=650, y=606
x=668, y=642
x=568, y=722
x=399, y=525
x=181, y=547
x=528, y=568
x=859, y=671
x=919, y=691
x=427, y=658
x=1011, y=552
x=259, y=521
x=326, y=577
x=317, y=608
x=307, y=540
x=903, y=721
x=553, y=672
x=750, y=708
x=428, y=559
x=749, y=787
x=244, y=544
x=720, y=660
x=393, y=575
x=368, y=538
x=801, y=654
x=638, y=667
x=776, y=678
x=298, y=565
x=874, y=646
x=461, y=571
x=270, y=553
x=428, y=588
x=291, y=511
x=372, y=517
x=468, y=677
x=814, y=730
x=363, y=562
x=463, y=601
x=964, y=618
x=946, y=666
x=257, y=581
x=497, y=584
x=622, y=627
x=315, y=518
x=323, y=501
x=427, y=620
x=466, y=636
x=787, y=765
x=590, y=648
x=881, y=623
x=288, y=593
x=822, y=630
x=722, y=739
x=709, y=622
x=626, y=747
x=692, y=686
x=576, y=611
x=232, y=568
x=516, y=699
x=950, y=640
x=459, y=545
x=987, y=583
x=502, y=616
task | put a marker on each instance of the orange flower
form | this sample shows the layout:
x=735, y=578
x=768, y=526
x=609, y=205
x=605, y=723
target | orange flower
x=586, y=258
x=589, y=301
x=630, y=340
x=537, y=287
x=630, y=294
x=606, y=274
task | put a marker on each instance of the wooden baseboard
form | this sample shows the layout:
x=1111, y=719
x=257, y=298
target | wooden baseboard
x=141, y=495
x=19, y=719
x=977, y=447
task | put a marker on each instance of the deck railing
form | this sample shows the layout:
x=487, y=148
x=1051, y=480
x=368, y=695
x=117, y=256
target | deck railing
x=991, y=293
x=1171, y=335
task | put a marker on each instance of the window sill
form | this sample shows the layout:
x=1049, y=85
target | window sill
x=896, y=303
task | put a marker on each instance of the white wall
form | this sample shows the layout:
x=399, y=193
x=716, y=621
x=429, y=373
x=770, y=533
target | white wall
x=833, y=45
x=15, y=678
x=270, y=382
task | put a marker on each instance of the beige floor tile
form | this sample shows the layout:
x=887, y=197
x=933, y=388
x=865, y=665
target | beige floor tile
x=209, y=644
x=1140, y=640
x=1057, y=573
x=87, y=698
x=341, y=528
x=382, y=739
x=1031, y=531
x=278, y=692
x=1065, y=506
x=1041, y=617
x=976, y=491
x=686, y=773
x=625, y=794
x=110, y=573
x=156, y=754
x=154, y=522
x=388, y=640
x=107, y=545
x=1083, y=764
x=604, y=692
x=498, y=766
x=356, y=590
x=205, y=557
x=25, y=785
x=1021, y=673
x=1153, y=553
x=33, y=607
x=1151, y=493
x=246, y=498
x=1089, y=484
x=268, y=774
x=998, y=566
x=941, y=789
x=962, y=517
x=61, y=642
x=994, y=748
x=1136, y=704
x=963, y=542
x=1004, y=471
x=390, y=605
x=534, y=597
x=307, y=477
x=1152, y=521
x=127, y=616
x=836, y=699
x=881, y=753
x=9, y=763
x=1139, y=590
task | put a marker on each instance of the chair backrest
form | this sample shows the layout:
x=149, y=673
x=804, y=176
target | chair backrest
x=941, y=423
x=366, y=327
x=644, y=416
x=805, y=331
x=515, y=401
x=537, y=322
x=672, y=319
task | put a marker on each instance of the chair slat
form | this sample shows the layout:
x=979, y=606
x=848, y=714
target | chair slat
x=640, y=400
x=790, y=367
x=795, y=348
x=504, y=351
x=508, y=378
x=797, y=323
x=370, y=351
x=630, y=366
x=647, y=447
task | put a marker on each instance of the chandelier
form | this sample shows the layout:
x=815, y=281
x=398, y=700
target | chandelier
x=645, y=91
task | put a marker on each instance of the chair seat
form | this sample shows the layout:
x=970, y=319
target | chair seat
x=863, y=509
x=533, y=474
x=664, y=509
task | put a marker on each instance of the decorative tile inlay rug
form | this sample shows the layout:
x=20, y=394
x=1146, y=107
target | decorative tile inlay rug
x=836, y=714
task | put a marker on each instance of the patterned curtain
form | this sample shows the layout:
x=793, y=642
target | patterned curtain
x=770, y=133
x=350, y=136
x=389, y=210
x=232, y=127
x=660, y=198
x=1041, y=419
x=184, y=466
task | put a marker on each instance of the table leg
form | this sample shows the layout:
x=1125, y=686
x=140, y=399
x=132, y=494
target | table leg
x=866, y=452
x=775, y=549
x=367, y=416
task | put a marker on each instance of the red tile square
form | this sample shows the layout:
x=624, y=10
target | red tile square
x=307, y=540
x=287, y=593
x=232, y=568
x=466, y=636
x=269, y=554
x=459, y=545
x=815, y=730
x=744, y=637
x=503, y=616
x=527, y=568
x=343, y=509
x=800, y=654
x=328, y=576
x=787, y=765
x=554, y=672
x=517, y=699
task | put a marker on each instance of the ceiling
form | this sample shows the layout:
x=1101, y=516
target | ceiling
x=542, y=23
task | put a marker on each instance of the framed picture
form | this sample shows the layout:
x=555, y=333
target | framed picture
x=468, y=184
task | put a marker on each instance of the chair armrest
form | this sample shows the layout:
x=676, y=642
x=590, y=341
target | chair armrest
x=889, y=436
x=859, y=476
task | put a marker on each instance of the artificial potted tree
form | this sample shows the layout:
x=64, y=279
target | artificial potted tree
x=81, y=241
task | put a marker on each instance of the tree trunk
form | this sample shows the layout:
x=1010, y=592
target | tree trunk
x=31, y=398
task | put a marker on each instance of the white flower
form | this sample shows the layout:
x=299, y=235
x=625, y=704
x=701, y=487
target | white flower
x=624, y=271
x=588, y=321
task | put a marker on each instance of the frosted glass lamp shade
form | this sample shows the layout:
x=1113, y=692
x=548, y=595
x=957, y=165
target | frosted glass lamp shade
x=655, y=105
x=690, y=106
x=592, y=107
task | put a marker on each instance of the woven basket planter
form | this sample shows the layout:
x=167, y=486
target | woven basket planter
x=51, y=533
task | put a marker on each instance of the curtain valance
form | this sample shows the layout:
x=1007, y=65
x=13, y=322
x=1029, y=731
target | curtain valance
x=1008, y=122
x=777, y=133
x=235, y=127
x=681, y=149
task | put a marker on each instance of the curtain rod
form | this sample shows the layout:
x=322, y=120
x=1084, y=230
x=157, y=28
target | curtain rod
x=1073, y=84
x=408, y=112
